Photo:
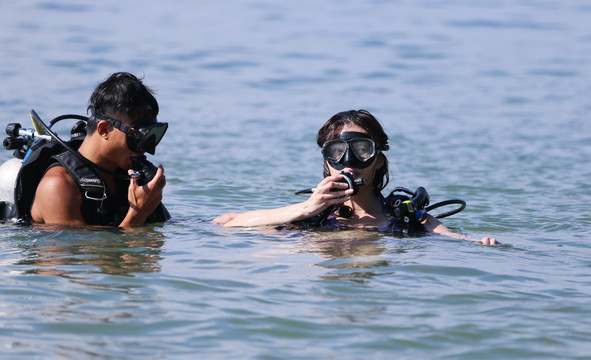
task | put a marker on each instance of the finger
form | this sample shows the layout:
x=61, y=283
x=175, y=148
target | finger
x=323, y=187
x=343, y=199
x=340, y=193
x=332, y=178
x=162, y=183
x=332, y=186
x=132, y=187
x=341, y=185
x=489, y=241
x=339, y=200
x=225, y=218
x=132, y=178
x=157, y=178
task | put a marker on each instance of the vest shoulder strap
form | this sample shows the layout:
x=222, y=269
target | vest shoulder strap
x=92, y=185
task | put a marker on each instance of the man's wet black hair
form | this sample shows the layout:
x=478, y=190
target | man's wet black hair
x=122, y=94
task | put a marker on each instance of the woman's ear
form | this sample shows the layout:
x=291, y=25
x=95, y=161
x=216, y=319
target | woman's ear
x=380, y=161
x=103, y=128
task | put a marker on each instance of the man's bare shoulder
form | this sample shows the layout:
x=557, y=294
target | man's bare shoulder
x=57, y=178
x=57, y=198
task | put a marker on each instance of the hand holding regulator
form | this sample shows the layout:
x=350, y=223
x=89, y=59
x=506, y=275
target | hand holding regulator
x=348, y=178
x=144, y=170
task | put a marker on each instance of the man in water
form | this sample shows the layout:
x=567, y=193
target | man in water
x=122, y=126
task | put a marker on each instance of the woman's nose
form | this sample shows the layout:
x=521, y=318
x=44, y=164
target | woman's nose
x=347, y=157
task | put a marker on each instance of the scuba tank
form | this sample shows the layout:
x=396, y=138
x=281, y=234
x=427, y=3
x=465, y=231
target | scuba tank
x=20, y=140
x=8, y=174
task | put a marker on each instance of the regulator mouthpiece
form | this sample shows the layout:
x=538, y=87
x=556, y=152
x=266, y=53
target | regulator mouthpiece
x=144, y=170
x=347, y=178
x=353, y=183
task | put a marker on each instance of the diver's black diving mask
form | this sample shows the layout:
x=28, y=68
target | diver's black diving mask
x=351, y=149
x=142, y=137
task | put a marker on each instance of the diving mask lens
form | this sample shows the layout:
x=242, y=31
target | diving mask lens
x=146, y=138
x=334, y=149
x=363, y=149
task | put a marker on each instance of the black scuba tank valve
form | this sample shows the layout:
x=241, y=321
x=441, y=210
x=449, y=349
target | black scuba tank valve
x=13, y=143
x=12, y=129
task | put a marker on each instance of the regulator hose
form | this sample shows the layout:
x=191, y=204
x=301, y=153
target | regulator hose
x=462, y=204
x=37, y=120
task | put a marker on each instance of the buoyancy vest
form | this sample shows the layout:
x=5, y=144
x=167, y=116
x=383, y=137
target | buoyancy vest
x=403, y=219
x=99, y=206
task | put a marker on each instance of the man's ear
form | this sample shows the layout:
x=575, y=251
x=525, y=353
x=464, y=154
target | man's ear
x=103, y=128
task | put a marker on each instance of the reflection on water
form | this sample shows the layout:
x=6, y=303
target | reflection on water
x=358, y=255
x=345, y=244
x=73, y=253
x=485, y=101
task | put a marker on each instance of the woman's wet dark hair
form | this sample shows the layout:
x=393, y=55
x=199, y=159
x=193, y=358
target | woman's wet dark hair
x=122, y=93
x=369, y=123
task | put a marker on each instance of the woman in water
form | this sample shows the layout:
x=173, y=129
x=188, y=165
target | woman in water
x=352, y=142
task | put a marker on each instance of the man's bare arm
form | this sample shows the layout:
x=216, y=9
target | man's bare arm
x=58, y=199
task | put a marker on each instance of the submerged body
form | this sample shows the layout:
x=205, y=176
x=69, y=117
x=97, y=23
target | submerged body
x=346, y=148
x=91, y=184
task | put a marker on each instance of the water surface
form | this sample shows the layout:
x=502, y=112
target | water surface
x=487, y=102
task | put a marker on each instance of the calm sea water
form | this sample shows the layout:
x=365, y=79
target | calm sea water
x=486, y=101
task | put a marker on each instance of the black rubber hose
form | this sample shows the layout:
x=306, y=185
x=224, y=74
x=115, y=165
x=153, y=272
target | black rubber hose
x=462, y=204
